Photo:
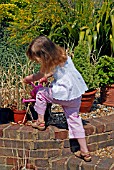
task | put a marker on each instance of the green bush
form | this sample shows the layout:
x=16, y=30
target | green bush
x=85, y=65
x=105, y=70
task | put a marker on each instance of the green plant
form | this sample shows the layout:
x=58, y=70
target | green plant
x=86, y=65
x=105, y=70
x=11, y=81
x=100, y=33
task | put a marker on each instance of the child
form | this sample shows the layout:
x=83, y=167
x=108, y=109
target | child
x=66, y=88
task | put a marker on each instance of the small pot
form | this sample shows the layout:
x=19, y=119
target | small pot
x=87, y=101
x=107, y=95
x=19, y=116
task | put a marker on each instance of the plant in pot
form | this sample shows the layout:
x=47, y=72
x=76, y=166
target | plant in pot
x=105, y=70
x=19, y=109
x=86, y=65
x=13, y=90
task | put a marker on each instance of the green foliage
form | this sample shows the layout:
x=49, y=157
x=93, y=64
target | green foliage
x=59, y=19
x=14, y=66
x=65, y=22
x=11, y=80
x=105, y=70
x=85, y=66
x=13, y=55
x=99, y=33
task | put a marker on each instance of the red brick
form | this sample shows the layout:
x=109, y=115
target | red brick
x=105, y=164
x=41, y=168
x=2, y=160
x=1, y=142
x=108, y=122
x=59, y=164
x=42, y=162
x=92, y=147
x=6, y=167
x=112, y=135
x=90, y=165
x=6, y=152
x=44, y=135
x=73, y=163
x=48, y=144
x=51, y=153
x=100, y=127
x=38, y=153
x=109, y=126
x=98, y=138
x=12, y=132
x=27, y=132
x=22, y=153
x=63, y=134
x=89, y=129
x=103, y=144
x=1, y=132
x=110, y=142
x=17, y=144
x=2, y=127
x=13, y=161
x=66, y=151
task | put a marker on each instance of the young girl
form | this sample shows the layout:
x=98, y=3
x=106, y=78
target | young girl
x=66, y=88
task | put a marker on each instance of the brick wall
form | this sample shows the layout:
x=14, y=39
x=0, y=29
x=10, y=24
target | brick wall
x=51, y=149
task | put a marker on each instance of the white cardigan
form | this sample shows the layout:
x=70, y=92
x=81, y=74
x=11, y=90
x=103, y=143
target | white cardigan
x=68, y=83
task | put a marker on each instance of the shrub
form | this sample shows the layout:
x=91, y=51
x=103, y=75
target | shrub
x=85, y=65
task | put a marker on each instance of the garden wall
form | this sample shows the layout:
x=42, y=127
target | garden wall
x=51, y=149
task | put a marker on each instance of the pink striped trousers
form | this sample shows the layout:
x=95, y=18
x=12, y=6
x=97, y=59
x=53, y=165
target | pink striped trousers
x=71, y=109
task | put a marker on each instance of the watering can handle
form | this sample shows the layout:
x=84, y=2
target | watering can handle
x=32, y=84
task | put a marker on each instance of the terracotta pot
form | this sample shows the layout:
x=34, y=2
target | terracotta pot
x=19, y=116
x=87, y=101
x=107, y=95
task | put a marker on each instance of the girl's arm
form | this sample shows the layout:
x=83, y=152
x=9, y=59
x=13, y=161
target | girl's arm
x=36, y=77
x=33, y=77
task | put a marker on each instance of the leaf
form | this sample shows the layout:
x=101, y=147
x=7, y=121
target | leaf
x=112, y=42
x=81, y=36
x=98, y=26
x=95, y=39
x=112, y=20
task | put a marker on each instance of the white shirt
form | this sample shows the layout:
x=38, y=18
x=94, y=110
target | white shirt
x=68, y=83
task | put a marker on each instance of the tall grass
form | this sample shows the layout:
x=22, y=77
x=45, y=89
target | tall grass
x=13, y=70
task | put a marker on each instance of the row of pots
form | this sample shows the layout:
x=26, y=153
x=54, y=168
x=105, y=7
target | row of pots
x=106, y=94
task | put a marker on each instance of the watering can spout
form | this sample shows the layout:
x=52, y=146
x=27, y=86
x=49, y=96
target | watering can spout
x=28, y=100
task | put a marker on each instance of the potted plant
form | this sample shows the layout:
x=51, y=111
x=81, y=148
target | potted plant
x=105, y=70
x=13, y=90
x=19, y=109
x=86, y=65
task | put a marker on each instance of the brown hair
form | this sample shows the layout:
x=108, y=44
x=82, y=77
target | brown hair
x=50, y=54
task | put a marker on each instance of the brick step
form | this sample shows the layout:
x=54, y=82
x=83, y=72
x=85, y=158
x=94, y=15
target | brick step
x=46, y=148
x=93, y=126
x=62, y=163
x=73, y=163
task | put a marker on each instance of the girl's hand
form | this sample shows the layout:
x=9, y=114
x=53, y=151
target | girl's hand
x=43, y=80
x=28, y=79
